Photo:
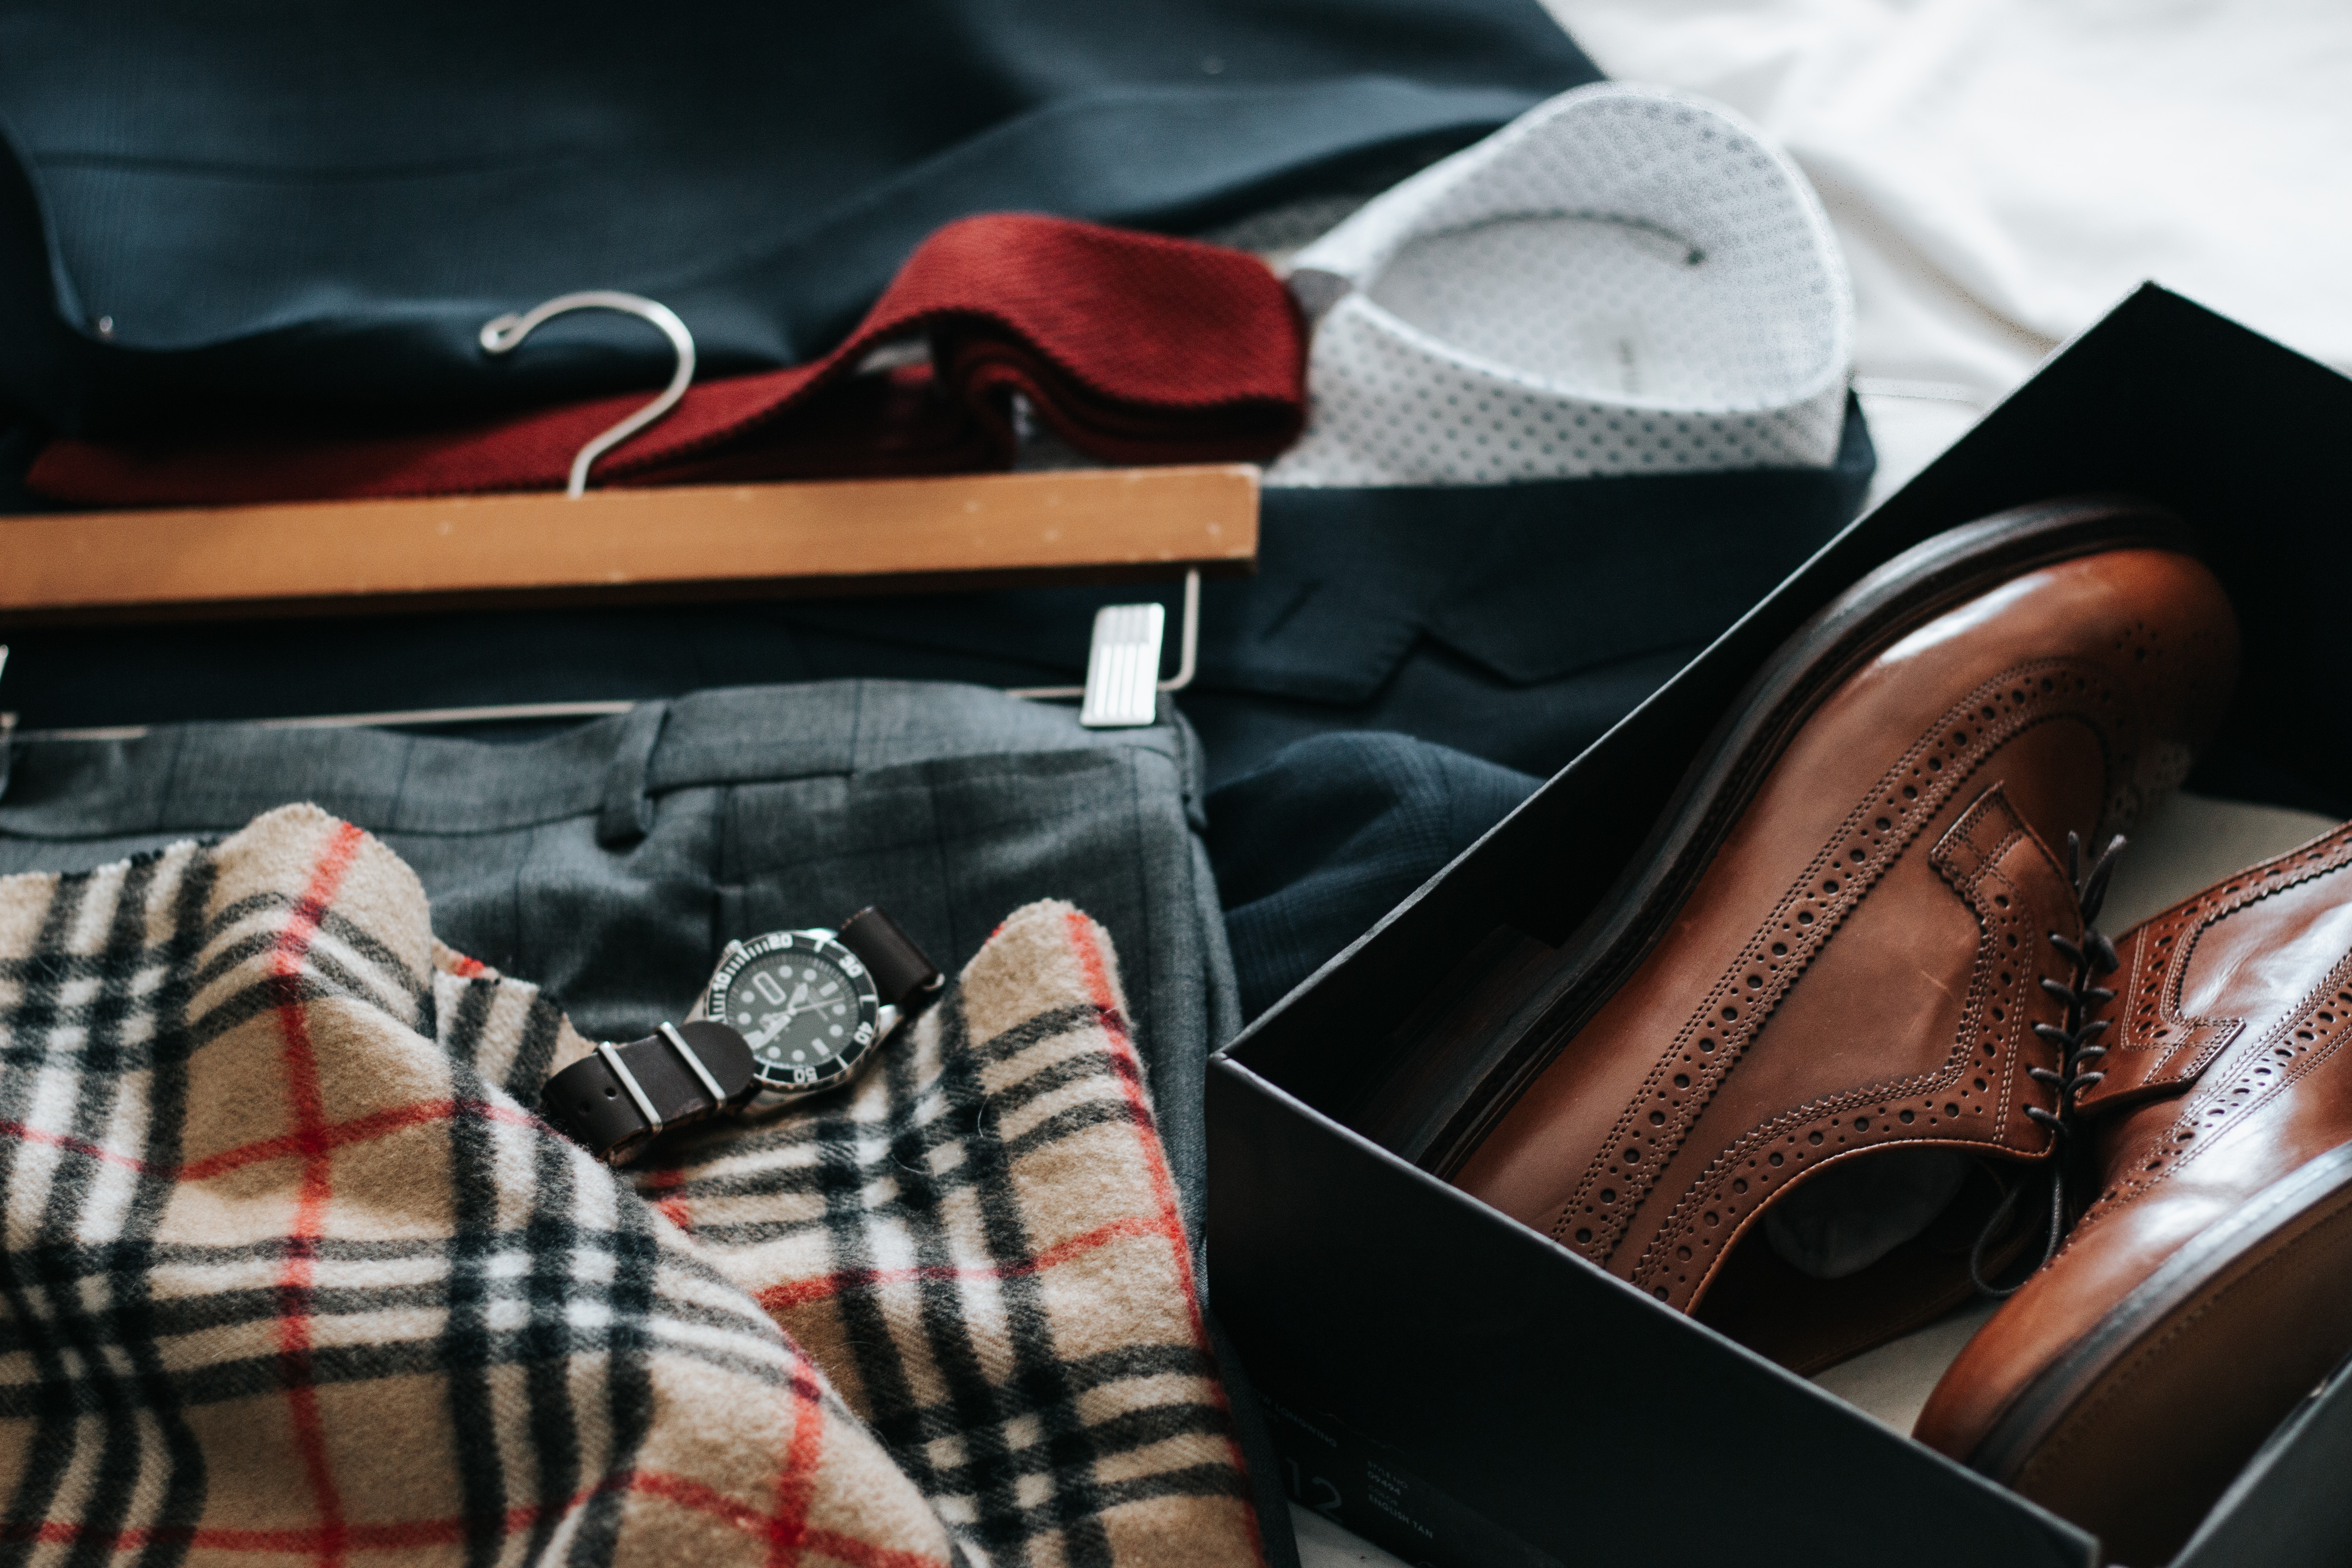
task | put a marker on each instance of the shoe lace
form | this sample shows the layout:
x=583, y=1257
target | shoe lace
x=2089, y=955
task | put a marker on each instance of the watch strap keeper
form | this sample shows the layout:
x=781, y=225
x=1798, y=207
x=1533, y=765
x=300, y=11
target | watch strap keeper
x=617, y=1099
x=903, y=976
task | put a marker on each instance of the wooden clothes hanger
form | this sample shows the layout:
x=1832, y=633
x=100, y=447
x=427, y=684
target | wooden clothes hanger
x=1075, y=525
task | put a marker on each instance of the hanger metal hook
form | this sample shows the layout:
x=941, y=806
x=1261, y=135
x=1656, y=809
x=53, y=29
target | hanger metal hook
x=505, y=333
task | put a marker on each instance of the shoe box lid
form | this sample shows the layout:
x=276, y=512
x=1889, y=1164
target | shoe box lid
x=1455, y=1386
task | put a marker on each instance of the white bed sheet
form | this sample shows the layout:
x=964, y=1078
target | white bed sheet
x=1999, y=172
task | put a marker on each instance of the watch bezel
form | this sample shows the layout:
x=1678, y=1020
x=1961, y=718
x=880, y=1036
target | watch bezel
x=803, y=1081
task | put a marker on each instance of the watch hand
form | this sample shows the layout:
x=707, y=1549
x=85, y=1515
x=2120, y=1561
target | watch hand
x=777, y=1021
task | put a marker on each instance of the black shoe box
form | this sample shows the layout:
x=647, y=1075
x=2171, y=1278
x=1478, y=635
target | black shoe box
x=1454, y=1386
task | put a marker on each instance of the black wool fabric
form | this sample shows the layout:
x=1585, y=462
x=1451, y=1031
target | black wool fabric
x=246, y=212
x=19, y=445
x=1329, y=835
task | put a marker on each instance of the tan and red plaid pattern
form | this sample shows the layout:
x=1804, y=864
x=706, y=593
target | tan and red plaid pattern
x=288, y=1273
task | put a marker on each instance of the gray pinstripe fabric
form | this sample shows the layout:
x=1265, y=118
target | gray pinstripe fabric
x=611, y=862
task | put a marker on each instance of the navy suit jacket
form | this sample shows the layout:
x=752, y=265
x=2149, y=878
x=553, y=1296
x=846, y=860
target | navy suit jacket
x=261, y=210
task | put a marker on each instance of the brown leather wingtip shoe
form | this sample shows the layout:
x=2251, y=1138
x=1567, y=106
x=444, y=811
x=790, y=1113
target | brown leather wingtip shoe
x=1826, y=967
x=2207, y=1284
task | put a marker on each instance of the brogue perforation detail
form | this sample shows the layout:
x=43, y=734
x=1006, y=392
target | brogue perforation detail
x=1969, y=1100
x=1905, y=798
x=2155, y=1043
x=2290, y=1050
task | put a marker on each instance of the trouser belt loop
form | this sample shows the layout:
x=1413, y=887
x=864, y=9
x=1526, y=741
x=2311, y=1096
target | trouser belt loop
x=626, y=813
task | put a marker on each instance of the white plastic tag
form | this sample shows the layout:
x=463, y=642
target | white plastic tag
x=1123, y=667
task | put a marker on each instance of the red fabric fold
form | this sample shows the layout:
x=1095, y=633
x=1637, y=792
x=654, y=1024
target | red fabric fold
x=1133, y=347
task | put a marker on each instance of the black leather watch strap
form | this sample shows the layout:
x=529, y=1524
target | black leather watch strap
x=614, y=1100
x=903, y=976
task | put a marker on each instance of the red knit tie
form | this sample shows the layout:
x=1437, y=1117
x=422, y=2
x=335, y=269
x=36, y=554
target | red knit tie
x=1131, y=347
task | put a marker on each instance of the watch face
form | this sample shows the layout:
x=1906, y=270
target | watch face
x=803, y=1003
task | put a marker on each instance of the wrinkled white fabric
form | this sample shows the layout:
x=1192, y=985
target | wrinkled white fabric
x=1622, y=280
x=2001, y=172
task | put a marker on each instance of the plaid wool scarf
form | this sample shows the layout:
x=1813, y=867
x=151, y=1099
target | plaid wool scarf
x=291, y=1275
